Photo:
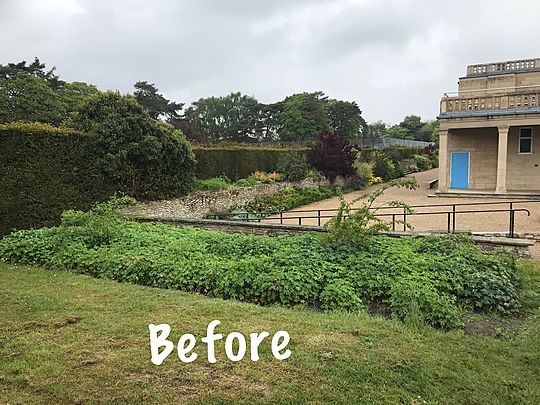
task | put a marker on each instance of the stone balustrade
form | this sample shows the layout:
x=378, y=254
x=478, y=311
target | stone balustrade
x=496, y=99
x=507, y=66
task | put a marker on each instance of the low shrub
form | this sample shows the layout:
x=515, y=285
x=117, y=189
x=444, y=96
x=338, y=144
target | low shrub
x=248, y=181
x=417, y=301
x=427, y=280
x=293, y=166
x=383, y=167
x=422, y=162
x=213, y=184
x=340, y=295
x=364, y=170
x=267, y=177
x=357, y=221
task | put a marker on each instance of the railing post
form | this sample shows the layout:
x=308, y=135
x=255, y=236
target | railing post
x=318, y=217
x=454, y=218
x=512, y=224
x=449, y=218
x=299, y=220
x=281, y=217
x=404, y=219
x=393, y=222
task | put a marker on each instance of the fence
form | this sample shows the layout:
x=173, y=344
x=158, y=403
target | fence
x=388, y=142
x=396, y=218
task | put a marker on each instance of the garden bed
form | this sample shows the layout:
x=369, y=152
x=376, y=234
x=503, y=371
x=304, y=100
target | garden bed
x=431, y=280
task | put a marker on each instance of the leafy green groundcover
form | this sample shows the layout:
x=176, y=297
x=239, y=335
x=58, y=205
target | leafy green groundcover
x=422, y=279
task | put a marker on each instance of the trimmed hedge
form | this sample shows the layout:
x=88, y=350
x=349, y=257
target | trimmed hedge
x=395, y=153
x=237, y=162
x=46, y=170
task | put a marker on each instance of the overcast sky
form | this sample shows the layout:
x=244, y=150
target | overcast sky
x=393, y=58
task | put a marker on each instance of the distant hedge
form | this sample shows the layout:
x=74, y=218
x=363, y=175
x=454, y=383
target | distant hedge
x=46, y=170
x=395, y=153
x=238, y=162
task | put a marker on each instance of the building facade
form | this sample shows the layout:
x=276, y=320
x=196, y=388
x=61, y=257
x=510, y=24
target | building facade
x=490, y=131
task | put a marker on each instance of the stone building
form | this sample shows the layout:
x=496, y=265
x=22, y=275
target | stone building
x=490, y=131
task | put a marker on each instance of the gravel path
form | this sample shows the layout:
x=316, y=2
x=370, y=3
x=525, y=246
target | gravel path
x=484, y=222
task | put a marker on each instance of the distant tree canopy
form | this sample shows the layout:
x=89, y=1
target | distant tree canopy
x=31, y=93
x=300, y=117
x=412, y=127
x=154, y=103
x=36, y=69
x=233, y=117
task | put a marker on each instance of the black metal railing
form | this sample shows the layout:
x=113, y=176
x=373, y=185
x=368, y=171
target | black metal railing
x=396, y=217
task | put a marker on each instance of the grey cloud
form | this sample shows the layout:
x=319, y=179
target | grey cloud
x=393, y=57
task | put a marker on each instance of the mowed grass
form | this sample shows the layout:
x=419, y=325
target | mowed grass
x=68, y=338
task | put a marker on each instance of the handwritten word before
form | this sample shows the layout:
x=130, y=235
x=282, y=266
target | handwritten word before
x=187, y=343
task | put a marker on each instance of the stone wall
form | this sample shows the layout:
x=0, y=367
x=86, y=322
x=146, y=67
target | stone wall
x=200, y=204
x=489, y=244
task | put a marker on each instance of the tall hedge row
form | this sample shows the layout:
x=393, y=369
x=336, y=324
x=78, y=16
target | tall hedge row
x=238, y=162
x=395, y=153
x=45, y=170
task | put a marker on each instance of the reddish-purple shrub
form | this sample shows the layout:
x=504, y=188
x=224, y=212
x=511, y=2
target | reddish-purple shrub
x=333, y=155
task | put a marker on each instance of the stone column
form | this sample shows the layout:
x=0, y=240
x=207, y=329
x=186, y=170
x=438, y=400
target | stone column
x=502, y=157
x=443, y=160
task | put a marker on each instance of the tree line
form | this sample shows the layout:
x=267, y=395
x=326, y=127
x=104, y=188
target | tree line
x=30, y=92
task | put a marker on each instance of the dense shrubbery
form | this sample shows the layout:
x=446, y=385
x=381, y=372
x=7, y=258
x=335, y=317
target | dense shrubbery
x=145, y=158
x=289, y=198
x=428, y=279
x=44, y=171
x=383, y=166
x=237, y=161
x=118, y=148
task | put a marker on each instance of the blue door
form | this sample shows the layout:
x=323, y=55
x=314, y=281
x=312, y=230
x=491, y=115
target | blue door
x=459, y=170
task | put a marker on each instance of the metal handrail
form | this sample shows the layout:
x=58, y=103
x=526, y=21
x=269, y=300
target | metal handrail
x=396, y=217
x=267, y=213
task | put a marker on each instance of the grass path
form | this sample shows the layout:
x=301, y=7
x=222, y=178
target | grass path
x=68, y=338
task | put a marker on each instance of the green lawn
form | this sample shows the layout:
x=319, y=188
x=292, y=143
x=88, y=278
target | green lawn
x=103, y=355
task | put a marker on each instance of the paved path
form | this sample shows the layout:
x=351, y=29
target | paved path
x=483, y=222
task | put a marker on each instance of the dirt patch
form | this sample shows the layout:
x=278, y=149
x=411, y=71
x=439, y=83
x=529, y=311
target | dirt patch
x=67, y=321
x=34, y=325
x=479, y=328
x=91, y=362
x=379, y=308
x=494, y=328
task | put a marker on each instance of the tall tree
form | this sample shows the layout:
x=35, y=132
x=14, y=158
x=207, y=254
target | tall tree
x=412, y=123
x=399, y=132
x=154, y=103
x=303, y=117
x=25, y=97
x=269, y=120
x=345, y=117
x=374, y=133
x=36, y=69
x=233, y=117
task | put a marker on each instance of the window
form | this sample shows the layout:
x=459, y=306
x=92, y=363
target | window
x=525, y=140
